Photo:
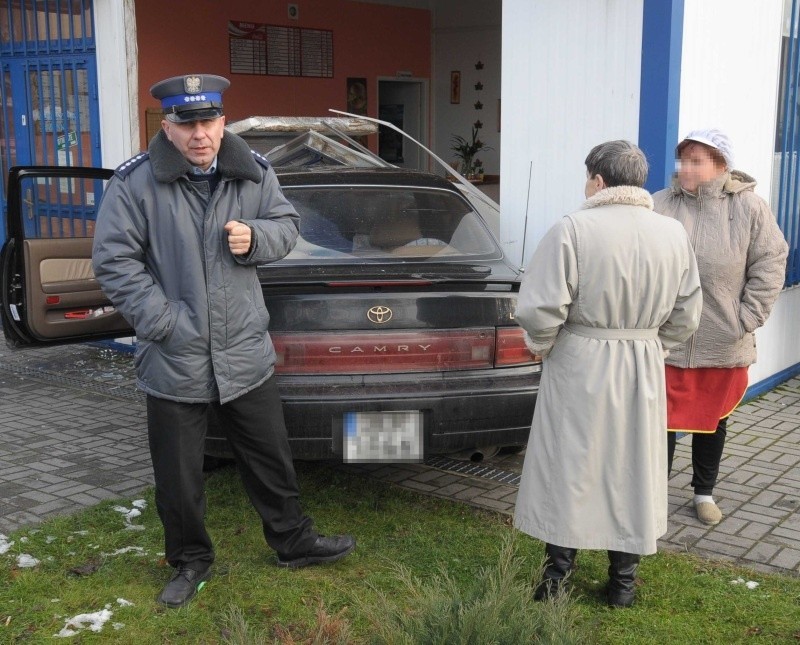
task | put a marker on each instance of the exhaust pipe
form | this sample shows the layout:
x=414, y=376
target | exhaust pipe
x=475, y=455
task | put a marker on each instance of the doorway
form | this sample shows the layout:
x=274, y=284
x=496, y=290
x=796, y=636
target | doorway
x=403, y=103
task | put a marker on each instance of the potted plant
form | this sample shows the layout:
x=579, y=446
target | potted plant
x=465, y=150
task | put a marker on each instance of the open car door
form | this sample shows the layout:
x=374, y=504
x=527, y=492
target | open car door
x=49, y=292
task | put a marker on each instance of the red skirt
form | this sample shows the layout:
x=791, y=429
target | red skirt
x=697, y=398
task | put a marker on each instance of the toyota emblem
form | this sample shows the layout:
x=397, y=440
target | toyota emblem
x=379, y=314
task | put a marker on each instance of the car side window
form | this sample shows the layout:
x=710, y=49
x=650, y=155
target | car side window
x=54, y=207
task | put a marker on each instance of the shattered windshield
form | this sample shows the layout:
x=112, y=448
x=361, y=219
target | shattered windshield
x=356, y=223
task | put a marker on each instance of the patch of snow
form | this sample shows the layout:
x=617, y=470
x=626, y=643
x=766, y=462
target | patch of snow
x=134, y=512
x=750, y=584
x=128, y=549
x=124, y=603
x=93, y=622
x=50, y=539
x=130, y=513
x=118, y=625
x=26, y=561
x=5, y=545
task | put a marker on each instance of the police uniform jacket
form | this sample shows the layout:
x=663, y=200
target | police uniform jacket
x=161, y=256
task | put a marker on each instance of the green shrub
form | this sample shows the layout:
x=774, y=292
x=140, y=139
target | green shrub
x=495, y=608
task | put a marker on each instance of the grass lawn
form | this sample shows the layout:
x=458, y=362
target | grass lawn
x=81, y=570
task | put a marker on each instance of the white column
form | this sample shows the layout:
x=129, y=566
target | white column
x=117, y=73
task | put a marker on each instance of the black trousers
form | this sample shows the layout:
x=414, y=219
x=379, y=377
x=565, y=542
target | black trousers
x=706, y=455
x=257, y=435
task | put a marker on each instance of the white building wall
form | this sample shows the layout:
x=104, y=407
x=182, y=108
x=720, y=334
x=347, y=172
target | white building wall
x=730, y=81
x=777, y=341
x=729, y=77
x=570, y=80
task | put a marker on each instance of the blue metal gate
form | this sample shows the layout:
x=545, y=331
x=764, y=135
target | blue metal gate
x=48, y=93
x=788, y=144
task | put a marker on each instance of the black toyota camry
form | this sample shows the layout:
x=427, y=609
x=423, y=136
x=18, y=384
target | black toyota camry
x=393, y=317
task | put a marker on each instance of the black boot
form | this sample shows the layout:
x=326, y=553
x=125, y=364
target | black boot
x=622, y=578
x=558, y=564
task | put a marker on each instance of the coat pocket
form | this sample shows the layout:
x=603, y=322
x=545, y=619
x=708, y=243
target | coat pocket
x=257, y=298
x=183, y=333
x=719, y=324
x=739, y=327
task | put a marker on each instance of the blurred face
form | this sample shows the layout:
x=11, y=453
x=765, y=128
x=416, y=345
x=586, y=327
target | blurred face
x=696, y=166
x=198, y=141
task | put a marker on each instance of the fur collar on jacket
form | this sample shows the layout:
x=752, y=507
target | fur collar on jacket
x=615, y=195
x=234, y=159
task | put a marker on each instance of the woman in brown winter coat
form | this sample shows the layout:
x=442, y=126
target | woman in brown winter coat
x=741, y=257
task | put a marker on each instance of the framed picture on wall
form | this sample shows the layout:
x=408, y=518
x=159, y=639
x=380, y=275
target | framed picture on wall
x=455, y=86
x=357, y=101
x=357, y=95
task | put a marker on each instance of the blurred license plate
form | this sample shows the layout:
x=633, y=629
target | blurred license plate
x=382, y=436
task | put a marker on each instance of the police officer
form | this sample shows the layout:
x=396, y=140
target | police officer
x=179, y=233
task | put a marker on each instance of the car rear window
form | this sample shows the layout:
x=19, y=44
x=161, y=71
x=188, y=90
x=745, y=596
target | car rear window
x=356, y=223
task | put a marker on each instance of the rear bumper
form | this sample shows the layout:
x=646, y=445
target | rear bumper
x=461, y=410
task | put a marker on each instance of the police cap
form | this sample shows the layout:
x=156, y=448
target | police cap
x=192, y=97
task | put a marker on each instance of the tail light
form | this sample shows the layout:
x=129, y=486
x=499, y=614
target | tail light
x=511, y=349
x=384, y=352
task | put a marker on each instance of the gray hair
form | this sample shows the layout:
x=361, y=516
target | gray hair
x=619, y=163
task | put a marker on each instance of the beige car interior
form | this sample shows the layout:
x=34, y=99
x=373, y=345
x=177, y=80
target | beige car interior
x=63, y=297
x=399, y=233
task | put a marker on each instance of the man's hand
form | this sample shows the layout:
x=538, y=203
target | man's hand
x=239, y=237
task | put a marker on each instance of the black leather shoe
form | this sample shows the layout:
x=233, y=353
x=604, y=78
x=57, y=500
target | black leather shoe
x=183, y=586
x=325, y=549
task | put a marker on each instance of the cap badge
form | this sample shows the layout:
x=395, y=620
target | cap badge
x=192, y=84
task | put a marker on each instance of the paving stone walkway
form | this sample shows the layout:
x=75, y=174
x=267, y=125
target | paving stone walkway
x=73, y=430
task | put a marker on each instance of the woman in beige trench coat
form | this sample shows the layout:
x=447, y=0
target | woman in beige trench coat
x=608, y=289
